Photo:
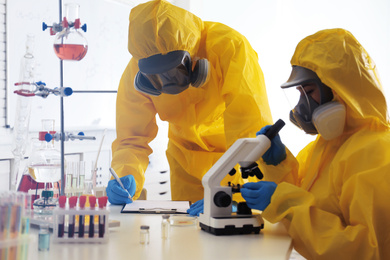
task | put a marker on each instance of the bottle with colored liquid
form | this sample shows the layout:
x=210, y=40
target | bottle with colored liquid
x=70, y=44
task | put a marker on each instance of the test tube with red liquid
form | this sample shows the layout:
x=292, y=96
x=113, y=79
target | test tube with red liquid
x=72, y=205
x=102, y=218
x=61, y=218
x=92, y=203
x=82, y=201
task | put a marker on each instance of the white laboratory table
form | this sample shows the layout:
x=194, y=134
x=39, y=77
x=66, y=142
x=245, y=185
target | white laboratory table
x=185, y=242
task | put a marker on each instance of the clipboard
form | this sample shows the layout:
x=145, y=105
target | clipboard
x=156, y=207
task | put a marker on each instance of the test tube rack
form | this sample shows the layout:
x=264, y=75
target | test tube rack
x=99, y=230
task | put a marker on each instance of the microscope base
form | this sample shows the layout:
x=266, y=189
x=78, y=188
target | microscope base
x=233, y=225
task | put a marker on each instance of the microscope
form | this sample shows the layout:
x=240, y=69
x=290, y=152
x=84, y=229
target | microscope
x=218, y=217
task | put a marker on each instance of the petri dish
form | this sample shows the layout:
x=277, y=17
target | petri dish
x=183, y=220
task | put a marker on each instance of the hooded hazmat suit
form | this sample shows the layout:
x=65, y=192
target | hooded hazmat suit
x=337, y=206
x=203, y=122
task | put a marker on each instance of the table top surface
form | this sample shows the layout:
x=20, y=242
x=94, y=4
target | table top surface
x=184, y=242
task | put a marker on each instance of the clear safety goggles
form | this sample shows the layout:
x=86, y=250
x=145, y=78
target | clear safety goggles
x=171, y=70
x=297, y=95
x=178, y=76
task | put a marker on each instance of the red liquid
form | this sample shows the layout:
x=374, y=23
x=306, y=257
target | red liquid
x=28, y=183
x=70, y=51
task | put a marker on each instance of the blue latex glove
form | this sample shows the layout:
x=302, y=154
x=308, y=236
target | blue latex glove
x=277, y=152
x=116, y=195
x=196, y=208
x=258, y=194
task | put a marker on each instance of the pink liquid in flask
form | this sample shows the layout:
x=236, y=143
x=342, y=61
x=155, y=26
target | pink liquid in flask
x=70, y=51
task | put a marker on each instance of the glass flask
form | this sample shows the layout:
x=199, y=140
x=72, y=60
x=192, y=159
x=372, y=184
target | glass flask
x=70, y=43
x=45, y=204
x=44, y=163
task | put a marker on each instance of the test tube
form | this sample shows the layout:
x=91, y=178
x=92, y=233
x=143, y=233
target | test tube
x=81, y=175
x=69, y=175
x=72, y=205
x=25, y=229
x=15, y=223
x=102, y=218
x=92, y=203
x=82, y=201
x=61, y=218
x=75, y=177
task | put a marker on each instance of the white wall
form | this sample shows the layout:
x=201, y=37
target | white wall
x=274, y=28
x=100, y=69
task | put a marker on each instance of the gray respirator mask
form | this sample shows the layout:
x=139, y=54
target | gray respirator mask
x=326, y=118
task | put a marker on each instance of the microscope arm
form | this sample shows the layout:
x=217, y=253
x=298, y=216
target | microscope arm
x=244, y=151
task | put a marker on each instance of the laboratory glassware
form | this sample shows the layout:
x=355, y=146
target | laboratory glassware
x=44, y=238
x=70, y=43
x=68, y=216
x=144, y=235
x=23, y=110
x=44, y=166
x=165, y=226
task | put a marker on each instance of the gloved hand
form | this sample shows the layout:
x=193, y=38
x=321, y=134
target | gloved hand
x=196, y=208
x=277, y=152
x=258, y=194
x=116, y=195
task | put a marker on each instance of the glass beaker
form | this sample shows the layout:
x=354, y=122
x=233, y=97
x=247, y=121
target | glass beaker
x=70, y=43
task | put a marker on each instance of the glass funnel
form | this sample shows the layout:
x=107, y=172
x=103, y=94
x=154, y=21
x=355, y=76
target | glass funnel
x=70, y=43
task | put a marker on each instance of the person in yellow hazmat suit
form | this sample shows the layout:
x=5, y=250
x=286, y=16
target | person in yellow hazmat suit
x=203, y=78
x=335, y=204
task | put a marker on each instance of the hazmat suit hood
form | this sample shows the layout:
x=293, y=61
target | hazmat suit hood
x=334, y=208
x=163, y=30
x=342, y=63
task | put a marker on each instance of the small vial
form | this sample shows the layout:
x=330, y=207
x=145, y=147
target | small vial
x=144, y=235
x=165, y=226
x=44, y=238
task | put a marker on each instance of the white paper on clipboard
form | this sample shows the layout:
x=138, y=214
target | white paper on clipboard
x=156, y=207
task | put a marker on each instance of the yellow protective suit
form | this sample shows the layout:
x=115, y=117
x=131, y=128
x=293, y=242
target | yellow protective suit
x=338, y=206
x=203, y=122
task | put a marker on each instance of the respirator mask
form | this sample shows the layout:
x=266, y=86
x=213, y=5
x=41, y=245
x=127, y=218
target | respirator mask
x=315, y=116
x=170, y=73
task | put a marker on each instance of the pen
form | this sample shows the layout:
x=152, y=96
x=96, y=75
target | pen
x=113, y=173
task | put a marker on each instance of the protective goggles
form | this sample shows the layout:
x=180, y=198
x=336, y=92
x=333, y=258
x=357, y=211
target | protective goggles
x=302, y=102
x=169, y=73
